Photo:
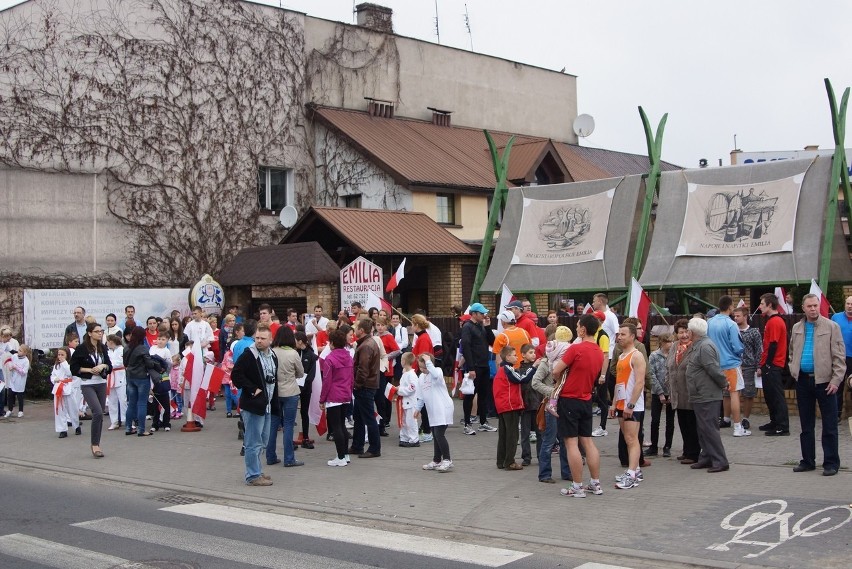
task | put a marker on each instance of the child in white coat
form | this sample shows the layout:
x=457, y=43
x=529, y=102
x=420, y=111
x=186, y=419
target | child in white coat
x=64, y=404
x=16, y=384
x=407, y=392
x=435, y=397
x=116, y=382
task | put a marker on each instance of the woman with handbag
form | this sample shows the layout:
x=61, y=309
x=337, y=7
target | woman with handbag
x=542, y=382
x=90, y=362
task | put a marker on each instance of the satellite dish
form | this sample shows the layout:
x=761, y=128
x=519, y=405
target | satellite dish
x=288, y=216
x=584, y=125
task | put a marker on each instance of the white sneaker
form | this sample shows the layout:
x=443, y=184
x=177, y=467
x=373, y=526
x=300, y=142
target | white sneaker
x=599, y=432
x=445, y=466
x=426, y=438
x=20, y=414
x=346, y=458
x=431, y=466
x=486, y=428
x=337, y=462
x=533, y=437
x=350, y=424
x=167, y=429
x=739, y=431
x=112, y=427
x=573, y=492
x=468, y=430
x=8, y=414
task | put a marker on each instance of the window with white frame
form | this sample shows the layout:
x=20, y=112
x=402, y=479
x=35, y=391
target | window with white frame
x=446, y=209
x=274, y=188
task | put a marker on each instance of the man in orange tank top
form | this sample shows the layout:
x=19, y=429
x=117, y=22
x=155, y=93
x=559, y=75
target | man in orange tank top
x=629, y=401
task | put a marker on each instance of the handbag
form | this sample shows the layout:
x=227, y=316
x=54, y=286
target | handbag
x=467, y=385
x=540, y=417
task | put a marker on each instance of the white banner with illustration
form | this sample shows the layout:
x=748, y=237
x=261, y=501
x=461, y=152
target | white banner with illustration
x=742, y=219
x=563, y=232
x=48, y=311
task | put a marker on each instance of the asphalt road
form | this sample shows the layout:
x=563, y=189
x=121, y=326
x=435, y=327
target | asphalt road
x=61, y=521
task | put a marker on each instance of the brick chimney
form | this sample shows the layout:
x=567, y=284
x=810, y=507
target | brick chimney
x=375, y=17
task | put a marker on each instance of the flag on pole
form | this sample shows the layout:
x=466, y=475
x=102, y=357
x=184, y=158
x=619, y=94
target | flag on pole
x=211, y=381
x=506, y=297
x=741, y=304
x=194, y=372
x=824, y=306
x=783, y=307
x=396, y=277
x=374, y=301
x=315, y=414
x=589, y=308
x=640, y=303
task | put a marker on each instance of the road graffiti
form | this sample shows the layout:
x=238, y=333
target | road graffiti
x=750, y=521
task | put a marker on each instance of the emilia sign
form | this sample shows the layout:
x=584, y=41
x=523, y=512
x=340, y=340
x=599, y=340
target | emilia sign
x=563, y=232
x=743, y=219
x=358, y=279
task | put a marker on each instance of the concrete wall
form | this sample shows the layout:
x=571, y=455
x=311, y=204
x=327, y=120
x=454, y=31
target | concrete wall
x=482, y=91
x=58, y=223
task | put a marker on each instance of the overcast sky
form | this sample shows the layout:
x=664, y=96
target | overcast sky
x=751, y=68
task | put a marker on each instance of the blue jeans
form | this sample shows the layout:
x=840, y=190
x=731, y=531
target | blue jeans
x=231, y=401
x=255, y=438
x=548, y=440
x=287, y=418
x=137, y=403
x=364, y=414
x=808, y=395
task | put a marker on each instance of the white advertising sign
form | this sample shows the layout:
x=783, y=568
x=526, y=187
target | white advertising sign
x=47, y=312
x=359, y=278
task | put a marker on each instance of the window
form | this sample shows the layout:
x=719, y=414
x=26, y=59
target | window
x=274, y=188
x=353, y=201
x=446, y=210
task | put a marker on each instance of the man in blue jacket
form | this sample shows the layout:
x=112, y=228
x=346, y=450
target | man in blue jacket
x=725, y=334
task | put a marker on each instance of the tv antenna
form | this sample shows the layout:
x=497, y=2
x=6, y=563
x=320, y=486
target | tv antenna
x=467, y=25
x=437, y=27
x=584, y=125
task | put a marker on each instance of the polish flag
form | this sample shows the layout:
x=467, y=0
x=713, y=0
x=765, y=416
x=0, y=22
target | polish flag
x=589, y=308
x=374, y=301
x=741, y=304
x=194, y=372
x=640, y=303
x=506, y=297
x=390, y=391
x=396, y=277
x=783, y=307
x=824, y=306
x=211, y=381
x=315, y=414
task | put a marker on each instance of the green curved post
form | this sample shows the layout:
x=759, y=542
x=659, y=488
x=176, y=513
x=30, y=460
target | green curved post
x=501, y=170
x=839, y=178
x=655, y=148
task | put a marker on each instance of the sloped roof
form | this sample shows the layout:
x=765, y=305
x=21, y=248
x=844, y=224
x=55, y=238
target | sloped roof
x=280, y=264
x=377, y=231
x=419, y=153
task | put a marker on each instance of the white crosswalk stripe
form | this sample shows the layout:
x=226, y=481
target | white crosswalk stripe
x=387, y=540
x=53, y=554
x=214, y=546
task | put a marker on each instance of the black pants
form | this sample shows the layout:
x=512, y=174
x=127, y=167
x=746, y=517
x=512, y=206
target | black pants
x=656, y=413
x=482, y=383
x=383, y=406
x=439, y=441
x=773, y=393
x=11, y=396
x=95, y=396
x=689, y=433
x=608, y=391
x=305, y=405
x=335, y=418
x=162, y=398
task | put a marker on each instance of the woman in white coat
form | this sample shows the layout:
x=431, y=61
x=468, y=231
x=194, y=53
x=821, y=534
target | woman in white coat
x=434, y=396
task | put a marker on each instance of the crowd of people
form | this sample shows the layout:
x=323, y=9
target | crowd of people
x=545, y=386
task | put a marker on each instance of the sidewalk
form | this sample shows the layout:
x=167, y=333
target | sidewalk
x=675, y=514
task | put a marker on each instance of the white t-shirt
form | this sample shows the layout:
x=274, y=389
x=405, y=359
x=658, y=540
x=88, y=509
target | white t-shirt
x=610, y=326
x=199, y=332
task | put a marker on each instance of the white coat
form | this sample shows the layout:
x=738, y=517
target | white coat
x=434, y=395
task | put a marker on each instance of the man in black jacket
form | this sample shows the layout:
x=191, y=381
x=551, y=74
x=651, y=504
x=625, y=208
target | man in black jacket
x=255, y=373
x=476, y=341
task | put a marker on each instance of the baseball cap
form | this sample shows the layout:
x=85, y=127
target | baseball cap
x=477, y=307
x=506, y=316
x=599, y=315
x=515, y=304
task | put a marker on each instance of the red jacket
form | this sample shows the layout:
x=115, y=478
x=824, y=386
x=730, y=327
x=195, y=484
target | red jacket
x=507, y=388
x=529, y=323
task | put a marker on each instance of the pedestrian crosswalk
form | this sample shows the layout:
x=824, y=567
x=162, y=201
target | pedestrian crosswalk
x=40, y=552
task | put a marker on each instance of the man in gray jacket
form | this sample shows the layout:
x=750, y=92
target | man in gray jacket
x=705, y=382
x=817, y=362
